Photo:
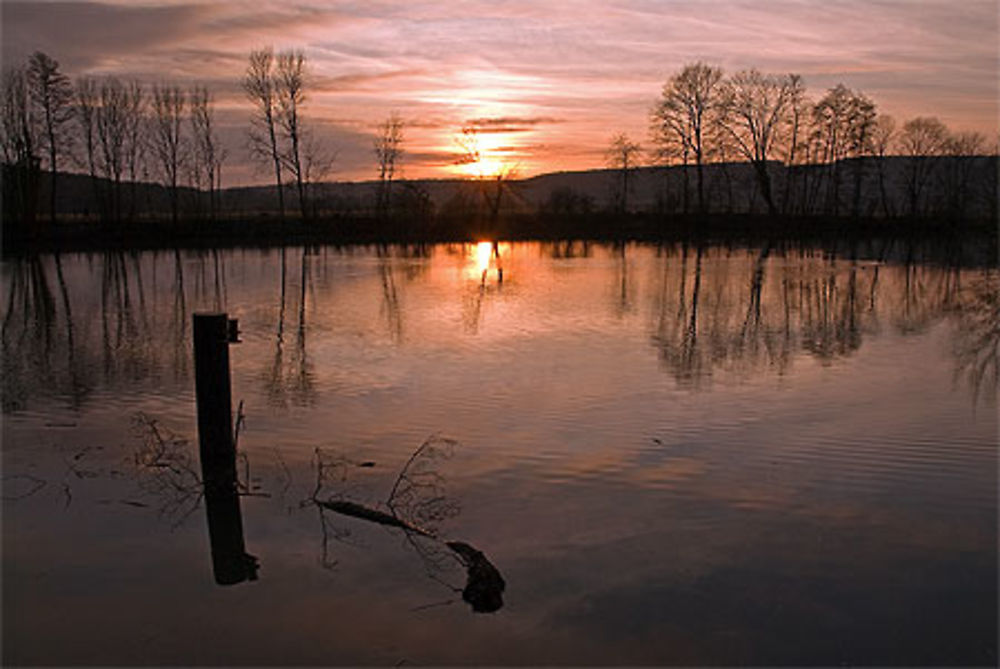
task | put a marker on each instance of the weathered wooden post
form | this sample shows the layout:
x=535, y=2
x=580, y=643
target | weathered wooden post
x=213, y=394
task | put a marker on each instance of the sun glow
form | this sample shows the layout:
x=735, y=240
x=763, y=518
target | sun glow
x=484, y=168
x=483, y=252
x=485, y=154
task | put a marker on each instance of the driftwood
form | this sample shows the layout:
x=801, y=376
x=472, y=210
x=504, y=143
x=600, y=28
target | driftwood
x=417, y=496
x=367, y=513
x=484, y=585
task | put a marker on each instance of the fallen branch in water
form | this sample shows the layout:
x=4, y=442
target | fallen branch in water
x=419, y=490
x=374, y=515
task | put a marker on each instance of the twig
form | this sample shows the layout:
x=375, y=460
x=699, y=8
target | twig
x=240, y=420
x=38, y=485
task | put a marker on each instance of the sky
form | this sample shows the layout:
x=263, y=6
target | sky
x=546, y=83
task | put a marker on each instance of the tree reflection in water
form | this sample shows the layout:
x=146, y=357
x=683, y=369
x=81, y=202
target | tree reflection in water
x=292, y=380
x=977, y=339
x=75, y=323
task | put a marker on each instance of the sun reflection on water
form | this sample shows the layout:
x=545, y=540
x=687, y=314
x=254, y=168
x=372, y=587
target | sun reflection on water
x=483, y=252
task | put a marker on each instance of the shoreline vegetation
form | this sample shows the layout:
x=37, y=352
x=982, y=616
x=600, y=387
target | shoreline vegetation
x=101, y=162
x=975, y=238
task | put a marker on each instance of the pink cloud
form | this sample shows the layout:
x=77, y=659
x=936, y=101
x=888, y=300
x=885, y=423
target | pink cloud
x=595, y=66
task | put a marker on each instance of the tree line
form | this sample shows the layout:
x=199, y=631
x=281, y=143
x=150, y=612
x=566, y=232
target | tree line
x=120, y=133
x=824, y=152
x=806, y=156
x=126, y=133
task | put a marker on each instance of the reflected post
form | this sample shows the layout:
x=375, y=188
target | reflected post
x=212, y=335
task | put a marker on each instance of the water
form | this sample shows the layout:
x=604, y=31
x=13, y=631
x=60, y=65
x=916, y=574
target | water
x=673, y=455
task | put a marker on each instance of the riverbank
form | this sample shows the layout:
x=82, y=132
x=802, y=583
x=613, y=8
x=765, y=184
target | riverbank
x=265, y=231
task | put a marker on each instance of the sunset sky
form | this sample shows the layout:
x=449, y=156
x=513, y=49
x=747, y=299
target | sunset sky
x=547, y=83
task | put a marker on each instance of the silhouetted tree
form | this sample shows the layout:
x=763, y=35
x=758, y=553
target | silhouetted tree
x=20, y=147
x=87, y=103
x=796, y=124
x=493, y=186
x=686, y=114
x=207, y=153
x=921, y=140
x=136, y=140
x=317, y=163
x=167, y=140
x=843, y=122
x=388, y=150
x=623, y=156
x=883, y=137
x=290, y=83
x=112, y=126
x=52, y=97
x=964, y=151
x=754, y=106
x=259, y=85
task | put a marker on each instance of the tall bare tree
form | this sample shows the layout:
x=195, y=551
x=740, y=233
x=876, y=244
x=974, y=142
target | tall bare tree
x=388, y=150
x=290, y=81
x=797, y=148
x=87, y=102
x=52, y=97
x=207, y=153
x=112, y=127
x=964, y=152
x=843, y=121
x=754, y=108
x=622, y=155
x=685, y=116
x=259, y=86
x=883, y=138
x=922, y=141
x=19, y=142
x=167, y=140
x=136, y=131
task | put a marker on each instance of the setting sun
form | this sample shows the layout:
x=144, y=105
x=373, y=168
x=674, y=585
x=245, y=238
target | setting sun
x=484, y=168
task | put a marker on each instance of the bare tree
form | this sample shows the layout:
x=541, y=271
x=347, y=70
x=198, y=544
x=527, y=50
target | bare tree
x=207, y=153
x=883, y=137
x=290, y=82
x=921, y=140
x=112, y=128
x=167, y=141
x=754, y=108
x=52, y=97
x=843, y=122
x=685, y=115
x=491, y=186
x=623, y=156
x=259, y=85
x=87, y=103
x=964, y=152
x=20, y=147
x=317, y=164
x=388, y=150
x=796, y=125
x=862, y=114
x=136, y=127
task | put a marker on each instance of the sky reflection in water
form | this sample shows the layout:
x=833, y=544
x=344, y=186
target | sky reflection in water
x=673, y=455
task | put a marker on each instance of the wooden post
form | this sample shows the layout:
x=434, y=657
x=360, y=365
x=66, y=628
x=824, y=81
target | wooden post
x=212, y=390
x=213, y=394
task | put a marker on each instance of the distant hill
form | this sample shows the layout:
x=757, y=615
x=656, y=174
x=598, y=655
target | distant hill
x=955, y=186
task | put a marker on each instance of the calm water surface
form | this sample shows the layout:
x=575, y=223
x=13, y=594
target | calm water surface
x=673, y=455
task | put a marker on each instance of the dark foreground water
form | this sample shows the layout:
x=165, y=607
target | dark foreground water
x=674, y=455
